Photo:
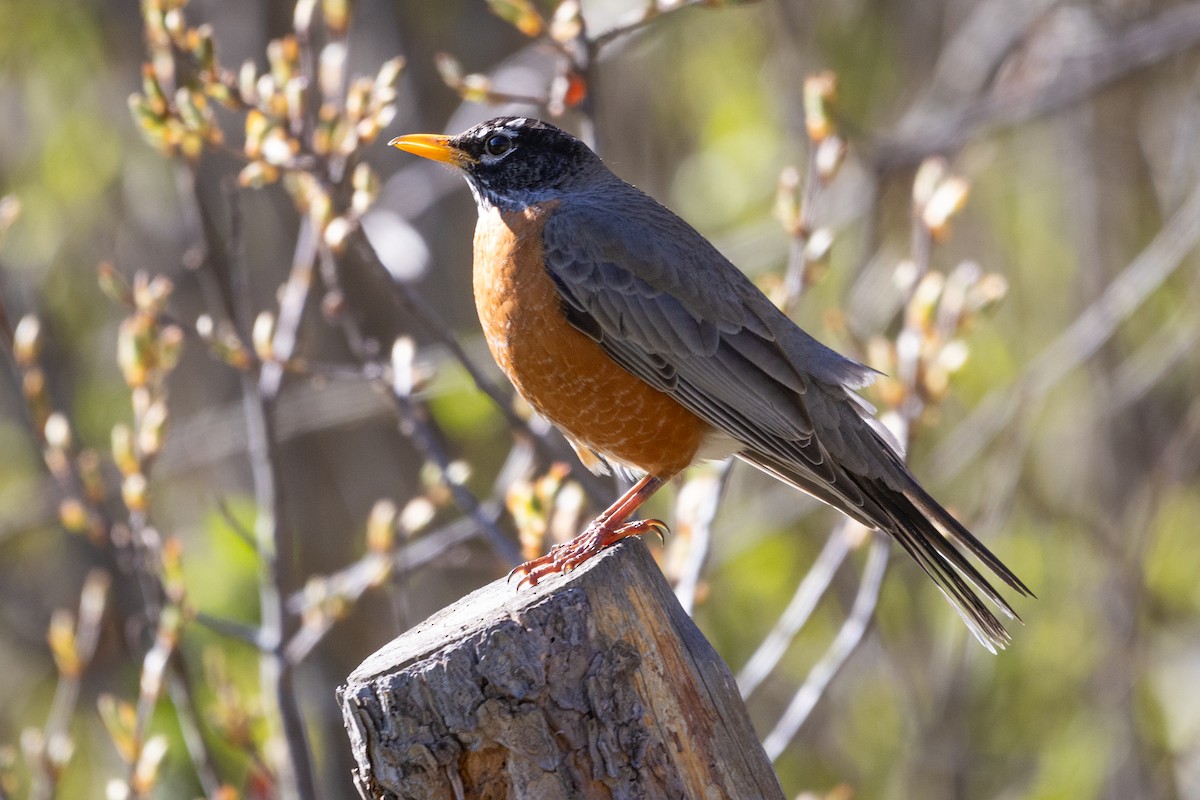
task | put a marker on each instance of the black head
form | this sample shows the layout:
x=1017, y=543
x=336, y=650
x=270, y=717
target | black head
x=511, y=162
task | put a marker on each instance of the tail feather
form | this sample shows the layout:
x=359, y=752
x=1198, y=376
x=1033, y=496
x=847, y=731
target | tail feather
x=982, y=623
x=958, y=532
x=925, y=530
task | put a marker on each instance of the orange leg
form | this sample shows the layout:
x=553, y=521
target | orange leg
x=607, y=529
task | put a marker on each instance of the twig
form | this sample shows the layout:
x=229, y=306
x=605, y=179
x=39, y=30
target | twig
x=350, y=583
x=808, y=594
x=144, y=544
x=794, y=284
x=635, y=21
x=187, y=714
x=415, y=306
x=408, y=558
x=93, y=601
x=817, y=580
x=1175, y=341
x=1082, y=338
x=1080, y=76
x=846, y=641
x=418, y=309
x=795, y=280
x=272, y=535
x=908, y=360
x=238, y=631
x=419, y=427
x=274, y=543
x=292, y=303
x=701, y=539
x=69, y=481
x=235, y=525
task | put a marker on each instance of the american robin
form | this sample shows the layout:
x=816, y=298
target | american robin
x=625, y=328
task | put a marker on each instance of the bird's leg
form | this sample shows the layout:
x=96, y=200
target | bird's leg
x=607, y=529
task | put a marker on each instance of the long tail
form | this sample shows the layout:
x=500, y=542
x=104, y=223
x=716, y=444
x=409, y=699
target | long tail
x=925, y=530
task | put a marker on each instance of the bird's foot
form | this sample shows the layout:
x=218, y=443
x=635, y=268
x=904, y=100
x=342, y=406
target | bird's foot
x=568, y=555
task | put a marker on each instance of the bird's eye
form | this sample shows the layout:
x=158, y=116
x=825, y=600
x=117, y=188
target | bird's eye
x=497, y=144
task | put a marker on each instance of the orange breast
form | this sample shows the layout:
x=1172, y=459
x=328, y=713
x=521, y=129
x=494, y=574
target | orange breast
x=563, y=374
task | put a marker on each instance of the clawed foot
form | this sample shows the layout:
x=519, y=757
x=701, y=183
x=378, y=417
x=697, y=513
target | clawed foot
x=565, y=557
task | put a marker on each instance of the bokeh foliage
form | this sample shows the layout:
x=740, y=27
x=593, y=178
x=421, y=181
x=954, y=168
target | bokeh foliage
x=1077, y=462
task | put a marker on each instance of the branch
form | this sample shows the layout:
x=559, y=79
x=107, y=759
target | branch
x=293, y=301
x=419, y=427
x=808, y=593
x=636, y=20
x=1079, y=76
x=272, y=535
x=417, y=308
x=846, y=641
x=1082, y=338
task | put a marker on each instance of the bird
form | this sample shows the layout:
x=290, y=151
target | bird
x=650, y=351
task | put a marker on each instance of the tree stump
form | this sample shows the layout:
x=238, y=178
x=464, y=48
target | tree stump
x=593, y=684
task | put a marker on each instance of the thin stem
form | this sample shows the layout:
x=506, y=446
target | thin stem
x=845, y=643
x=272, y=536
x=808, y=594
x=701, y=539
x=418, y=309
x=292, y=304
x=92, y=604
x=412, y=556
x=420, y=428
x=238, y=631
x=908, y=355
x=187, y=714
x=820, y=575
x=796, y=280
x=1078, y=342
x=636, y=21
x=1079, y=76
x=274, y=543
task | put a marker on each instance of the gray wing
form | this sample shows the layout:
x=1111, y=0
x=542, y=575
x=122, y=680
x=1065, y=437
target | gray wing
x=668, y=307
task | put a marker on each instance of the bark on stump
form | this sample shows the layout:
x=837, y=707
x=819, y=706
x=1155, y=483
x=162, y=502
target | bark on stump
x=595, y=684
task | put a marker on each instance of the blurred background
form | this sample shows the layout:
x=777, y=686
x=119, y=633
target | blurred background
x=1063, y=428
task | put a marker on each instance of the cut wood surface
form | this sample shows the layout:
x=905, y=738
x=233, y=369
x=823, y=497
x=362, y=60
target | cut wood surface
x=594, y=684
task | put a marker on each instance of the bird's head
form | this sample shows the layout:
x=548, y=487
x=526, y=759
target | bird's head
x=510, y=162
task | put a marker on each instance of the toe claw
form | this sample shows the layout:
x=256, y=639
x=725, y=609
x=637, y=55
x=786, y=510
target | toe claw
x=530, y=572
x=563, y=558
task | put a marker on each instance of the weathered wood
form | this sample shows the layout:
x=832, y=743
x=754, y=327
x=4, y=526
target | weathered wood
x=595, y=684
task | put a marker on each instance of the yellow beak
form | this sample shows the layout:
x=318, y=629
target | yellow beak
x=432, y=146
